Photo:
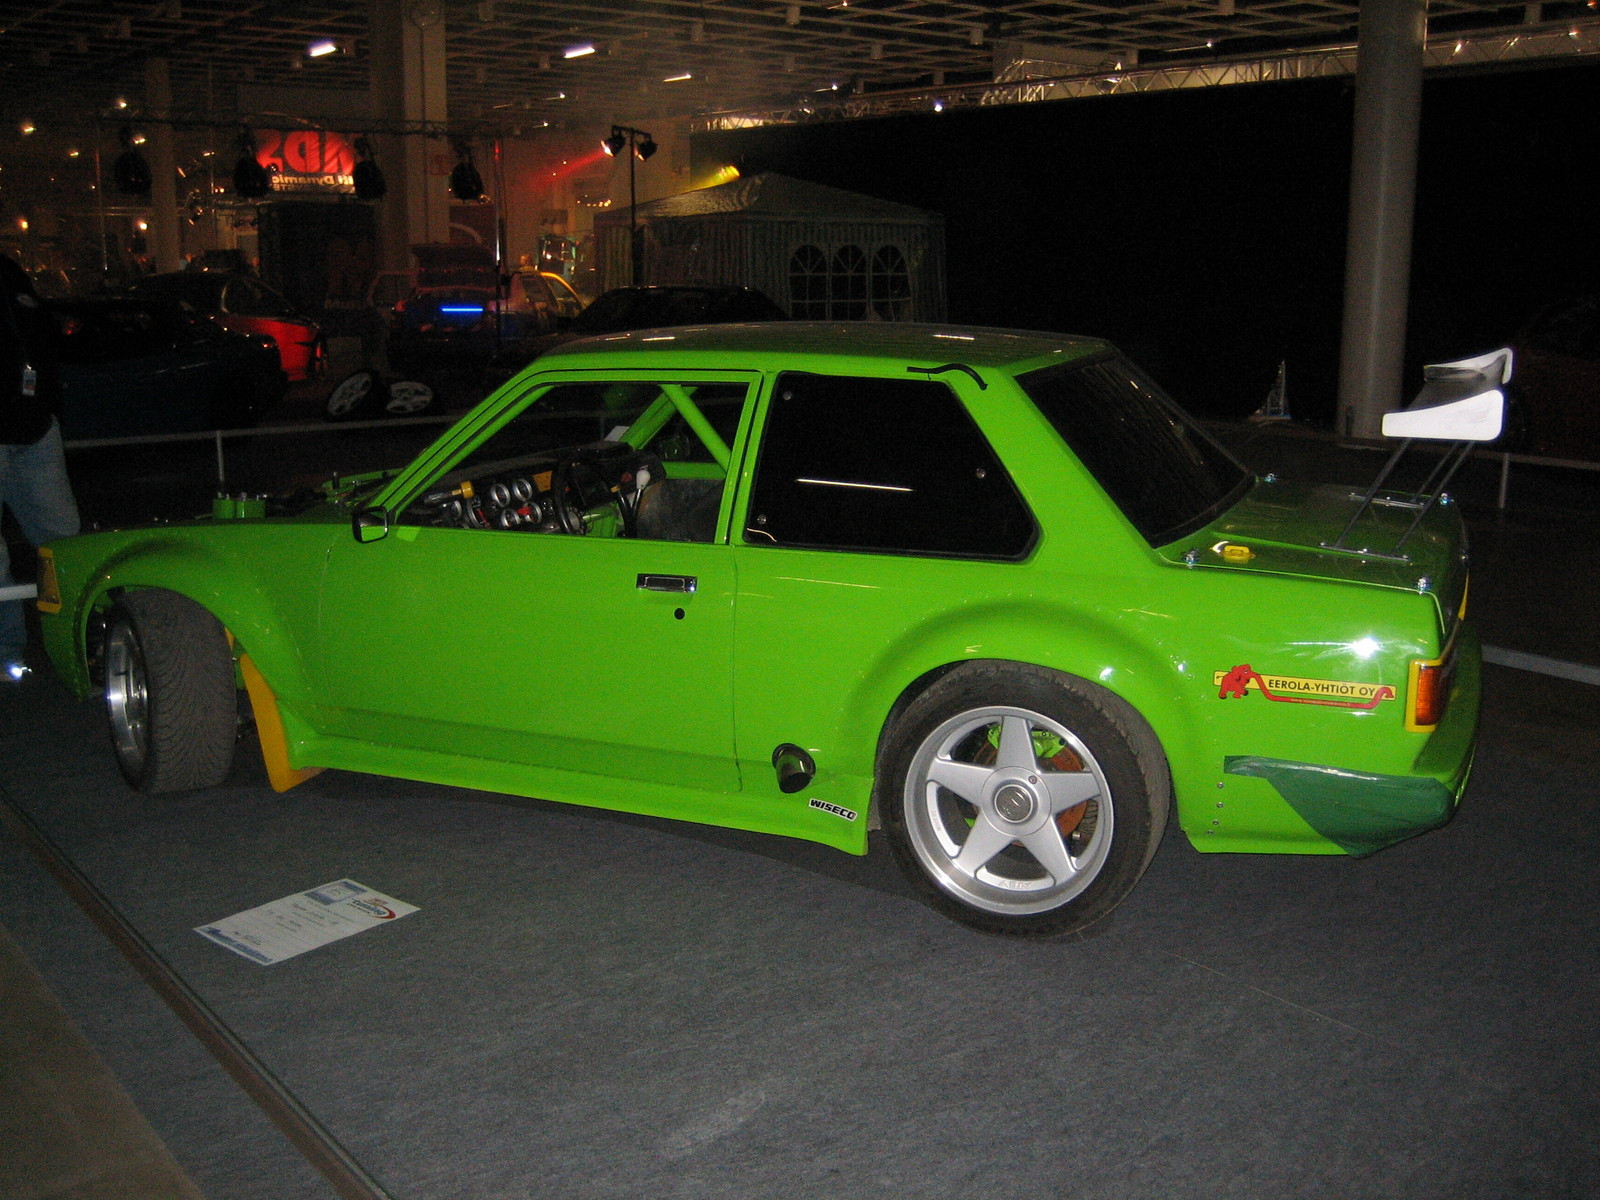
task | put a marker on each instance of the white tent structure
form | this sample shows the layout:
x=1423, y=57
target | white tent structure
x=820, y=252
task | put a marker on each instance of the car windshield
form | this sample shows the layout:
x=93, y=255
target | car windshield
x=1159, y=467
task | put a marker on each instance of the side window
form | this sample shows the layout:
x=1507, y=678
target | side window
x=891, y=284
x=847, y=284
x=886, y=465
x=808, y=284
x=619, y=458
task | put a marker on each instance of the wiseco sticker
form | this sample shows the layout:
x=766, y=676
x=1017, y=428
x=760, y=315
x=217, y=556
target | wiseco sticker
x=1288, y=689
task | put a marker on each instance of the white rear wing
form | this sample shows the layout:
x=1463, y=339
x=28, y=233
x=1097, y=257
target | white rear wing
x=1463, y=403
x=1459, y=401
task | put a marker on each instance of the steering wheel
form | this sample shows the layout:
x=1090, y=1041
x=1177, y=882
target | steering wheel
x=563, y=479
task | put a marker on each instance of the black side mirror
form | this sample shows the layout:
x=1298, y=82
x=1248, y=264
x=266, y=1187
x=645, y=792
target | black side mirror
x=370, y=524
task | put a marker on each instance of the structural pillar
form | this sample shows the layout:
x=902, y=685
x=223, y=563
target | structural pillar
x=1383, y=178
x=408, y=87
x=165, y=240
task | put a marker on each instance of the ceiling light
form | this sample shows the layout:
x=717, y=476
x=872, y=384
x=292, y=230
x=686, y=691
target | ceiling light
x=27, y=127
x=322, y=48
x=578, y=51
x=678, y=78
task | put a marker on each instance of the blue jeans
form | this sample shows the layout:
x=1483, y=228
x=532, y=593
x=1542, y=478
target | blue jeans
x=33, y=485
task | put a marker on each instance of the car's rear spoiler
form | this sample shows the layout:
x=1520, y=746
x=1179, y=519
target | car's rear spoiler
x=1462, y=403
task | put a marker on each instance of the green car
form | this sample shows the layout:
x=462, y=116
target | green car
x=989, y=590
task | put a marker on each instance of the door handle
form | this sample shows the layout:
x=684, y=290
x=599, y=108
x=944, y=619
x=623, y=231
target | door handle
x=668, y=583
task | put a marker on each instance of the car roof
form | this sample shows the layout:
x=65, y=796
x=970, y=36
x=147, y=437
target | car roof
x=1012, y=350
x=182, y=283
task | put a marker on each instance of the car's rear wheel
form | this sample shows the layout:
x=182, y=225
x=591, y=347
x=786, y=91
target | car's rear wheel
x=170, y=692
x=1022, y=801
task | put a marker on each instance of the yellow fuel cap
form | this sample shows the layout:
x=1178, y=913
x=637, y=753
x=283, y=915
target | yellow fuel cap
x=1232, y=552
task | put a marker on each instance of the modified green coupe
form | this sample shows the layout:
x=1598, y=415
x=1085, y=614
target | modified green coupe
x=991, y=590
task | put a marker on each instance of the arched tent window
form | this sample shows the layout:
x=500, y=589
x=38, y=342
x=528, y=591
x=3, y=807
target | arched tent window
x=808, y=284
x=847, y=284
x=891, y=284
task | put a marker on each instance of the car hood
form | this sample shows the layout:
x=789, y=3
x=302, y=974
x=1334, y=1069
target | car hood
x=1288, y=528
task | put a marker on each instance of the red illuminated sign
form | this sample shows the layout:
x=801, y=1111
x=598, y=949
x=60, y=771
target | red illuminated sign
x=300, y=159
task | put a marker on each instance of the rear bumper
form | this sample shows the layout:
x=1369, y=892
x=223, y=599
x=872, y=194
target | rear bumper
x=1359, y=812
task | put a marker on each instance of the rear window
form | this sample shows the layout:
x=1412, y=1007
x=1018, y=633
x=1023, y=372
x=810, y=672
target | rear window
x=1159, y=467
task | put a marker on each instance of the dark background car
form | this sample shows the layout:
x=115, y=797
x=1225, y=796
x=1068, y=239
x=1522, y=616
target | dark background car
x=135, y=365
x=244, y=304
x=627, y=308
x=461, y=312
x=1555, y=390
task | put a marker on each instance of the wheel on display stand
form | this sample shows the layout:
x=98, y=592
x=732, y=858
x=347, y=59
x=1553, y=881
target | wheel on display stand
x=356, y=395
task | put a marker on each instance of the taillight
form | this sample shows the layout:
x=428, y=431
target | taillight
x=1428, y=693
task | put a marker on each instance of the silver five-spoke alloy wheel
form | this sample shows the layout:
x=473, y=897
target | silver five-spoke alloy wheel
x=1008, y=810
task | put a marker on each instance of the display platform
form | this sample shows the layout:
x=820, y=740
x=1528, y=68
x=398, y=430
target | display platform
x=591, y=1006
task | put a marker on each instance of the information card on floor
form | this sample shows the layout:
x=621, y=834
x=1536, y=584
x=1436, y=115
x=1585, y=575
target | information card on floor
x=273, y=932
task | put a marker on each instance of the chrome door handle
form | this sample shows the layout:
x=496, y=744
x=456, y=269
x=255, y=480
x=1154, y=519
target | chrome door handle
x=667, y=583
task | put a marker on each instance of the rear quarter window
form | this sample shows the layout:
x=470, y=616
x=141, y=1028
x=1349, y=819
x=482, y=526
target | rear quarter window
x=882, y=465
x=1167, y=475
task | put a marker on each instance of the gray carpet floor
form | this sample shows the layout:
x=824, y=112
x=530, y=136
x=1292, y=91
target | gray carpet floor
x=592, y=1006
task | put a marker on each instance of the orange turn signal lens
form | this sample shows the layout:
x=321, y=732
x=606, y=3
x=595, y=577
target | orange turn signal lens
x=1429, y=691
x=49, y=589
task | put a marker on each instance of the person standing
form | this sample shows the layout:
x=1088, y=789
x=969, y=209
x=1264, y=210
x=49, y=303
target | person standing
x=33, y=468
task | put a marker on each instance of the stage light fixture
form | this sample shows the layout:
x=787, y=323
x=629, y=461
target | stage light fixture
x=616, y=143
x=645, y=148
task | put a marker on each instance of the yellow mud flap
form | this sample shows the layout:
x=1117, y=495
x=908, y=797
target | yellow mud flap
x=269, y=725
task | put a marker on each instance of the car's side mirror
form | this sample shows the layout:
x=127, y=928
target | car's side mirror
x=370, y=524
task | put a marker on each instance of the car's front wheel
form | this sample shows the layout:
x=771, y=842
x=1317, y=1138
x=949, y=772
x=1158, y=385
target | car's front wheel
x=1020, y=800
x=170, y=692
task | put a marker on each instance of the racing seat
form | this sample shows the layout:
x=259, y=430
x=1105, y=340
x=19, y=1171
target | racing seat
x=679, y=510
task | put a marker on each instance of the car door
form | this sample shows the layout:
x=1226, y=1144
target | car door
x=600, y=654
x=878, y=514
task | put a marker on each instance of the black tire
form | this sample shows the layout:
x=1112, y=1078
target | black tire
x=1064, y=797
x=170, y=693
x=359, y=394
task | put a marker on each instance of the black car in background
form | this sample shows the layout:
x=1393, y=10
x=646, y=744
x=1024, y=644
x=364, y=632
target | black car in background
x=627, y=308
x=1555, y=392
x=138, y=365
x=460, y=312
x=242, y=303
